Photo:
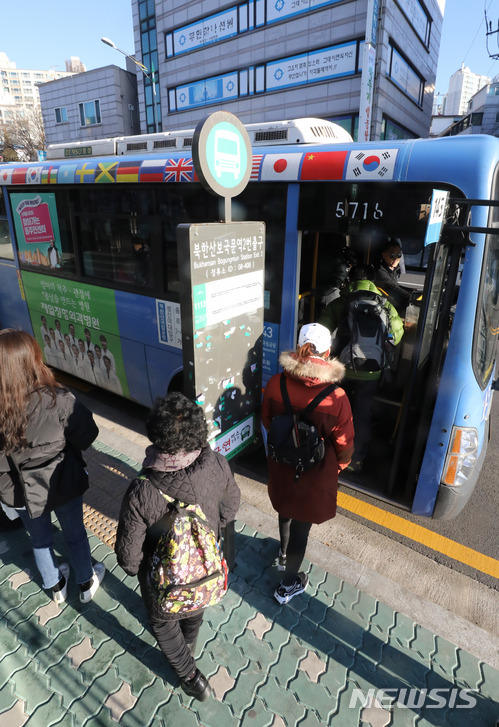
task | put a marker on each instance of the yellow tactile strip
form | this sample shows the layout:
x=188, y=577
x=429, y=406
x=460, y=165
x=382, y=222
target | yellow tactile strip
x=101, y=526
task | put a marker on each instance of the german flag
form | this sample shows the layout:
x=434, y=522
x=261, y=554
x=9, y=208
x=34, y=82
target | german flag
x=128, y=172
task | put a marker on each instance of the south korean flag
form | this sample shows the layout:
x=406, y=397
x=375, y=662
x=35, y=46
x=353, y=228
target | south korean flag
x=33, y=175
x=371, y=164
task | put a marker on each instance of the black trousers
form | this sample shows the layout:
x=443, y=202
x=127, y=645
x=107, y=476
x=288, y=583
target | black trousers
x=173, y=635
x=294, y=538
x=361, y=395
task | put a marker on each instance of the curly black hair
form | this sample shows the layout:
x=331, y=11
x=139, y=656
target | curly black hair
x=175, y=424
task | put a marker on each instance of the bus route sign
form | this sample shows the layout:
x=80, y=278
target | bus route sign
x=221, y=301
x=221, y=153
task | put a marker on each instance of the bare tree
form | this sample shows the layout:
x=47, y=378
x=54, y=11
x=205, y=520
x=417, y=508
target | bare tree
x=7, y=148
x=23, y=135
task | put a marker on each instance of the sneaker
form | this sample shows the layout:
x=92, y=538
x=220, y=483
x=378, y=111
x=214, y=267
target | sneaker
x=284, y=594
x=60, y=591
x=355, y=466
x=87, y=593
x=280, y=561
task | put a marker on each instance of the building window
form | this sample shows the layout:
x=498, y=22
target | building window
x=477, y=118
x=149, y=49
x=418, y=17
x=61, y=115
x=404, y=76
x=90, y=113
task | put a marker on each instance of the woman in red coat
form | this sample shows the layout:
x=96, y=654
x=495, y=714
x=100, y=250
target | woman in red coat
x=312, y=497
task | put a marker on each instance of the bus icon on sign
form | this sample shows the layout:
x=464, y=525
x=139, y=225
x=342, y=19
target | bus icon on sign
x=227, y=154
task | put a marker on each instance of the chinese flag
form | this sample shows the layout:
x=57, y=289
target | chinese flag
x=323, y=165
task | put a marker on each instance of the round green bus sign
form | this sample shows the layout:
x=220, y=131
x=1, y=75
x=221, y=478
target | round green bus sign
x=221, y=153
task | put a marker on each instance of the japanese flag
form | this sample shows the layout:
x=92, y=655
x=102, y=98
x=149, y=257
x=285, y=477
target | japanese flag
x=6, y=175
x=277, y=167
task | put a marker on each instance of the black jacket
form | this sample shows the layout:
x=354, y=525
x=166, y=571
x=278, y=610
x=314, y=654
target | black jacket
x=387, y=281
x=207, y=482
x=51, y=470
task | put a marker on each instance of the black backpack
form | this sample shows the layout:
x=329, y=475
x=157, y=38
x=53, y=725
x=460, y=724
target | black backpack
x=292, y=439
x=364, y=332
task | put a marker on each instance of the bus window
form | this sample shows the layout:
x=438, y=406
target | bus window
x=115, y=233
x=6, y=251
x=267, y=202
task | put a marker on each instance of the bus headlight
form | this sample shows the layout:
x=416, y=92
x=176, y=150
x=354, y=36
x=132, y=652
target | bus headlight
x=461, y=456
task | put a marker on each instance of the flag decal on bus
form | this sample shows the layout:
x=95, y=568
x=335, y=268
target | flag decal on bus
x=152, y=170
x=323, y=165
x=280, y=167
x=178, y=170
x=371, y=164
x=106, y=172
x=128, y=172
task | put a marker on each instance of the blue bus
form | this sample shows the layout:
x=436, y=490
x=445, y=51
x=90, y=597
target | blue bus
x=88, y=264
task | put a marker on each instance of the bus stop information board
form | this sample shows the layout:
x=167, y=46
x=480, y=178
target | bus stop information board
x=221, y=270
x=221, y=299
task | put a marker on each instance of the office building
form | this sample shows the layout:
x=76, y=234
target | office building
x=367, y=65
x=96, y=104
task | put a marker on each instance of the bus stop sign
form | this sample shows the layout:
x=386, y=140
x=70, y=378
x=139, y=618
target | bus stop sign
x=221, y=153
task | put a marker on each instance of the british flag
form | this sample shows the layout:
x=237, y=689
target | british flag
x=178, y=170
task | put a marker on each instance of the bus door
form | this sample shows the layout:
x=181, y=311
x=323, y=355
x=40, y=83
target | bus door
x=426, y=336
x=349, y=223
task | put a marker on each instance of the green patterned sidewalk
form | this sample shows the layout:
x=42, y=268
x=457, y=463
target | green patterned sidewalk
x=327, y=658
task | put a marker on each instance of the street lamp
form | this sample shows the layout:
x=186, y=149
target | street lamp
x=147, y=73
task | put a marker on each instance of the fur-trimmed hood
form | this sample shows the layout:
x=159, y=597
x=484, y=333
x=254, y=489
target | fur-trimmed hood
x=313, y=369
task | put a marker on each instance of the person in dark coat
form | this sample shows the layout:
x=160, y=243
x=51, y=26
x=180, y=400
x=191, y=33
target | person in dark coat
x=311, y=498
x=388, y=273
x=43, y=429
x=181, y=464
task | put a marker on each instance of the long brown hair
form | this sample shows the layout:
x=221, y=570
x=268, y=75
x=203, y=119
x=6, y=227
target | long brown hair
x=22, y=372
x=308, y=349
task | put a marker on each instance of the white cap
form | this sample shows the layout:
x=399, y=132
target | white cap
x=316, y=334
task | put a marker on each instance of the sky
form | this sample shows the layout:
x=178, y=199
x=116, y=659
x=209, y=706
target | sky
x=42, y=35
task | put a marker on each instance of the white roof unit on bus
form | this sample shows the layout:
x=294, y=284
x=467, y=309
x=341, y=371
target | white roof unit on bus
x=151, y=143
x=91, y=148
x=294, y=131
x=297, y=131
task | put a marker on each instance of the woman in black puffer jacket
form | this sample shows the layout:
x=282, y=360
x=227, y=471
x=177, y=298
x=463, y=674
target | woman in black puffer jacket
x=182, y=465
x=42, y=432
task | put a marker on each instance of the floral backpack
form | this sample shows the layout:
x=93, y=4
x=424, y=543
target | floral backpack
x=187, y=568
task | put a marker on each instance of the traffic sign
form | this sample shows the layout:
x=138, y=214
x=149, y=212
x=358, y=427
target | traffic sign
x=222, y=155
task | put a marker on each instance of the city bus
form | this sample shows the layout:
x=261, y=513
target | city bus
x=104, y=304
